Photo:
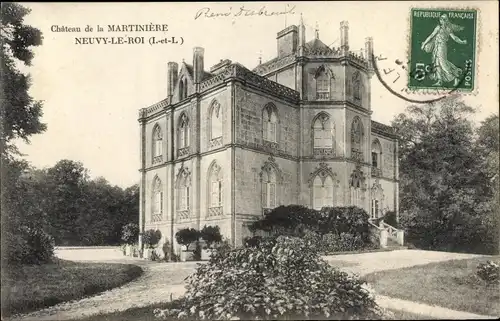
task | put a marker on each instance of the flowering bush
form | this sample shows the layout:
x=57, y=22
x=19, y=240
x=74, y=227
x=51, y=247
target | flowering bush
x=489, y=272
x=130, y=233
x=279, y=279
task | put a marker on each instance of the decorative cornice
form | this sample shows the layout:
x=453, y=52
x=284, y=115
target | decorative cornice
x=382, y=129
x=274, y=64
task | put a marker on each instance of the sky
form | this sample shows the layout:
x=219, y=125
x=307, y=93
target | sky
x=92, y=92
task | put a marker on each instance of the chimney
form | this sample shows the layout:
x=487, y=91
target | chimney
x=369, y=51
x=198, y=71
x=172, y=74
x=288, y=41
x=344, y=36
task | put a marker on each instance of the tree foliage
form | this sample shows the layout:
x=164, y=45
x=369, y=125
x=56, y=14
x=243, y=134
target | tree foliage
x=211, y=235
x=187, y=236
x=20, y=114
x=445, y=191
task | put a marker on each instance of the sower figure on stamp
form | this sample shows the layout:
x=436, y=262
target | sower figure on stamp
x=436, y=44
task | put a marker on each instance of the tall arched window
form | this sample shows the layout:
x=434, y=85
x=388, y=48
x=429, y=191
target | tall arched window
x=356, y=85
x=157, y=202
x=269, y=197
x=323, y=86
x=377, y=200
x=183, y=88
x=322, y=192
x=215, y=120
x=183, y=134
x=270, y=123
x=324, y=135
x=183, y=193
x=357, y=133
x=157, y=144
x=376, y=157
x=214, y=190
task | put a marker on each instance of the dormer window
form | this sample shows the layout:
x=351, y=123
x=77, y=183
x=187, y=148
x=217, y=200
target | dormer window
x=183, y=88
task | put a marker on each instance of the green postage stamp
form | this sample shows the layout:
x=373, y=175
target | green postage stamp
x=442, y=49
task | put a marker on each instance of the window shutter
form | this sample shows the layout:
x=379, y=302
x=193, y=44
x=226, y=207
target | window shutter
x=327, y=138
x=272, y=195
x=318, y=138
x=273, y=132
x=161, y=202
x=318, y=197
x=220, y=194
x=181, y=138
x=187, y=198
x=264, y=128
x=328, y=195
x=213, y=194
x=264, y=195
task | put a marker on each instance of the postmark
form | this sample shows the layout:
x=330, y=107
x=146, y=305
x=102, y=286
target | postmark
x=442, y=49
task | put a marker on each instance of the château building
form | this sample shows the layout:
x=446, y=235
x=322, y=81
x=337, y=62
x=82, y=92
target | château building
x=229, y=144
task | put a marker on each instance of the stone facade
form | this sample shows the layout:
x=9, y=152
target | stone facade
x=226, y=146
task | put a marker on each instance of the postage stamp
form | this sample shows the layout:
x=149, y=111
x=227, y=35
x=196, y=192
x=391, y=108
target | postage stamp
x=442, y=53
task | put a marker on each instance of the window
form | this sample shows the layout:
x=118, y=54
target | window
x=375, y=209
x=356, y=85
x=323, y=132
x=182, y=88
x=184, y=198
x=377, y=200
x=184, y=131
x=269, y=189
x=322, y=192
x=270, y=123
x=157, y=144
x=376, y=154
x=357, y=134
x=157, y=204
x=183, y=185
x=215, y=120
x=323, y=87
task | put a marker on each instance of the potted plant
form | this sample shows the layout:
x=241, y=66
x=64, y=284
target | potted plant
x=210, y=235
x=186, y=237
x=130, y=235
x=151, y=239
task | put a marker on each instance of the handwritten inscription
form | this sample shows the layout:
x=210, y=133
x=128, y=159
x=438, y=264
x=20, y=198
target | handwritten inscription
x=207, y=12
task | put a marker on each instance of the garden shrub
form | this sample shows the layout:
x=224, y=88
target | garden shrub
x=287, y=220
x=489, y=272
x=187, y=236
x=252, y=241
x=130, y=233
x=211, y=235
x=280, y=279
x=27, y=245
x=350, y=219
x=151, y=238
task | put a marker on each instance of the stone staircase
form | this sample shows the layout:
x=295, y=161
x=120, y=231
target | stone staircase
x=387, y=236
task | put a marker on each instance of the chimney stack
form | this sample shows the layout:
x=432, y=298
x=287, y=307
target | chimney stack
x=198, y=57
x=369, y=51
x=288, y=41
x=172, y=74
x=344, y=36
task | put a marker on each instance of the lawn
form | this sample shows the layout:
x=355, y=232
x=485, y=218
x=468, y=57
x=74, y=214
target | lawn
x=450, y=284
x=32, y=287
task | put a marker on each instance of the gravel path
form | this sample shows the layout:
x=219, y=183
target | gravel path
x=160, y=281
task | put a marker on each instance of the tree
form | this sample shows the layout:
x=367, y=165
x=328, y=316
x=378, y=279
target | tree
x=152, y=237
x=187, y=236
x=66, y=182
x=211, y=235
x=443, y=185
x=19, y=113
